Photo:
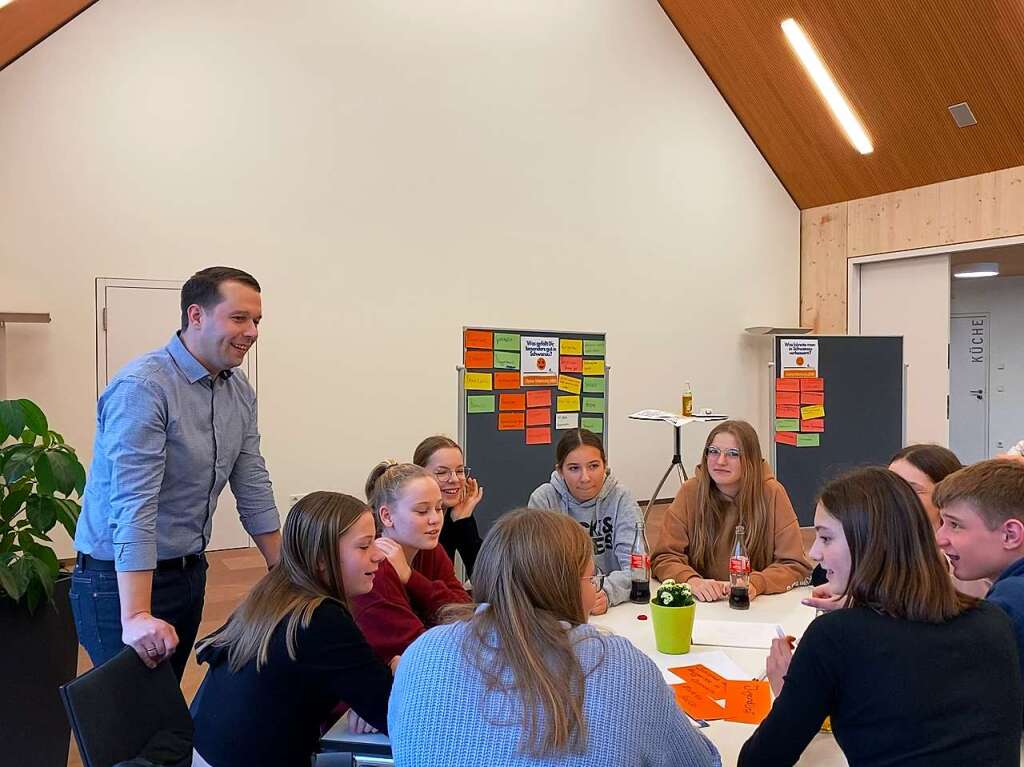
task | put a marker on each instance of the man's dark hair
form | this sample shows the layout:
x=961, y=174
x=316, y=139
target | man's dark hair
x=203, y=288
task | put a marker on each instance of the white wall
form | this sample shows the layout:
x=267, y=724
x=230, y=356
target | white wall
x=1003, y=299
x=391, y=172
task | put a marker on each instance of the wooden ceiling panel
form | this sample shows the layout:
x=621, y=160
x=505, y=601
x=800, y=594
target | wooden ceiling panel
x=25, y=23
x=900, y=65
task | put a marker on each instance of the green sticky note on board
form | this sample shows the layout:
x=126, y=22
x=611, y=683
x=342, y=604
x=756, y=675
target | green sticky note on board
x=593, y=348
x=593, y=405
x=593, y=385
x=808, y=440
x=506, y=360
x=595, y=425
x=507, y=341
x=787, y=424
x=480, y=403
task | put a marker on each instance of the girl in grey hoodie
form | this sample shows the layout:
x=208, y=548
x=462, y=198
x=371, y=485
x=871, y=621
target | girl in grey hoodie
x=583, y=487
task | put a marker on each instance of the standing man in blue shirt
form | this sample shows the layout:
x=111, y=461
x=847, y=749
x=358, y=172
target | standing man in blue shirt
x=172, y=428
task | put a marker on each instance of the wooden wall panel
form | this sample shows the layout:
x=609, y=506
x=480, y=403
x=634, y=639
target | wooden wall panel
x=982, y=207
x=24, y=23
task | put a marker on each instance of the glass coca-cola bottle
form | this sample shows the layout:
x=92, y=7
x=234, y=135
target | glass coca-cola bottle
x=640, y=568
x=739, y=573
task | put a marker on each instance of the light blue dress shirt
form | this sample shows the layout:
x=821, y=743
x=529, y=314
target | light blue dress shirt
x=169, y=437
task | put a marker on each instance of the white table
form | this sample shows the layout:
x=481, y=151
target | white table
x=784, y=609
x=729, y=737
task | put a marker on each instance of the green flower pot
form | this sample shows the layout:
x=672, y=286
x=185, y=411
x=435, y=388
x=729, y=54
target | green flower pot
x=673, y=627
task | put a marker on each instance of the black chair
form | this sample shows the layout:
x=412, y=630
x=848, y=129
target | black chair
x=122, y=709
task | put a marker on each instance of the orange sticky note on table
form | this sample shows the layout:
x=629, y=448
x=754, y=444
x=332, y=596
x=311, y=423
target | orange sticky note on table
x=747, y=702
x=538, y=416
x=506, y=380
x=812, y=384
x=787, y=384
x=511, y=402
x=696, y=704
x=479, y=359
x=785, y=437
x=537, y=397
x=511, y=421
x=811, y=398
x=807, y=412
x=787, y=398
x=538, y=435
x=570, y=364
x=479, y=339
x=787, y=411
x=703, y=678
x=815, y=424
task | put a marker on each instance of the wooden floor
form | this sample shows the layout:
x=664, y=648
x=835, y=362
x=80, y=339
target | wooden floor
x=232, y=573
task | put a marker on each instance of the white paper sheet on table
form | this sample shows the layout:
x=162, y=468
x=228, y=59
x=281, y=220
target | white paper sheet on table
x=735, y=634
x=716, y=660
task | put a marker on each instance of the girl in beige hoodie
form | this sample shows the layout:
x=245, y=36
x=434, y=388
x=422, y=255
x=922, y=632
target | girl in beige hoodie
x=733, y=486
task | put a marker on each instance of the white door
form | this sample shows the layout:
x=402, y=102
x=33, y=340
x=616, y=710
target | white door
x=134, y=317
x=909, y=297
x=968, y=386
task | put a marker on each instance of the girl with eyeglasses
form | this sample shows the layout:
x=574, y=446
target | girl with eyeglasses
x=520, y=678
x=460, y=494
x=416, y=578
x=733, y=486
x=583, y=487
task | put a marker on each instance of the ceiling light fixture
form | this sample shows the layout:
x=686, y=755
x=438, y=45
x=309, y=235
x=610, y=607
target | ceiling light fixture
x=827, y=86
x=979, y=269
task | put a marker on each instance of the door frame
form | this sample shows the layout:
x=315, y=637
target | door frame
x=988, y=374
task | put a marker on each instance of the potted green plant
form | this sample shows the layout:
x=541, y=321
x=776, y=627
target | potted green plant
x=40, y=479
x=672, y=612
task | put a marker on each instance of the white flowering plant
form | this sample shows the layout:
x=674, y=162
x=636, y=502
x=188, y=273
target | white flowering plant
x=672, y=594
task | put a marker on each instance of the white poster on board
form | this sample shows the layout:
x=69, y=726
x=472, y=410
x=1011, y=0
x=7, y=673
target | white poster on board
x=799, y=357
x=539, y=360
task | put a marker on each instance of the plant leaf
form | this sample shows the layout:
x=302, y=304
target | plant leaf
x=41, y=515
x=9, y=583
x=47, y=483
x=34, y=418
x=12, y=418
x=13, y=502
x=64, y=470
x=79, y=478
x=19, y=462
x=67, y=514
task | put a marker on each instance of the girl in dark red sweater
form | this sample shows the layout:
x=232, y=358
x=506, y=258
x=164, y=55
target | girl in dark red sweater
x=417, y=578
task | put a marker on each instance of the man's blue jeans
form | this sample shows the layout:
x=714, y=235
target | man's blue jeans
x=178, y=596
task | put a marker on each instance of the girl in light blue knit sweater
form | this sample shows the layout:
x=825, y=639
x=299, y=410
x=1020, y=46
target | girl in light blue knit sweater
x=521, y=679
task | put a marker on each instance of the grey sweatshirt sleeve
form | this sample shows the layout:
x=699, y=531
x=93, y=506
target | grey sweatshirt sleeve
x=617, y=584
x=545, y=497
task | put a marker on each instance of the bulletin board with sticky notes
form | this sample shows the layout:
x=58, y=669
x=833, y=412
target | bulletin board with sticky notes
x=839, y=404
x=519, y=391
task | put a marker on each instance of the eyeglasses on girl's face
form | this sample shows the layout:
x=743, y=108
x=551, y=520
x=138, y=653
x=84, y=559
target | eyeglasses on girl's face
x=597, y=580
x=731, y=453
x=442, y=475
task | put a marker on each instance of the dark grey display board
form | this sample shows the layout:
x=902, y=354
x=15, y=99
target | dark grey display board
x=864, y=414
x=506, y=466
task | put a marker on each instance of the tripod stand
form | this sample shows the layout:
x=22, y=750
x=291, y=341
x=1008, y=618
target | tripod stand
x=677, y=464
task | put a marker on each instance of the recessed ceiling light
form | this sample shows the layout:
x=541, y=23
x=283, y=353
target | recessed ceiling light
x=962, y=115
x=827, y=86
x=979, y=269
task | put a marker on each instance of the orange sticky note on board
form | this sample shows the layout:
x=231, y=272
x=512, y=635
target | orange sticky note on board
x=511, y=402
x=570, y=364
x=787, y=398
x=537, y=397
x=506, y=380
x=815, y=424
x=786, y=437
x=479, y=359
x=787, y=411
x=511, y=421
x=747, y=702
x=703, y=678
x=812, y=384
x=810, y=398
x=538, y=435
x=695, y=703
x=479, y=339
x=787, y=384
x=538, y=416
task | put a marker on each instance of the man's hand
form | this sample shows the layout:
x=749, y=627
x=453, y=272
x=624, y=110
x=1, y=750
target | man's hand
x=153, y=639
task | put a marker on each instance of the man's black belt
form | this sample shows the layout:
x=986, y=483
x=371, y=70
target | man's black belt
x=86, y=562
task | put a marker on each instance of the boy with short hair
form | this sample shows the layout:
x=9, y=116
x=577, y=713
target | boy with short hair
x=982, y=531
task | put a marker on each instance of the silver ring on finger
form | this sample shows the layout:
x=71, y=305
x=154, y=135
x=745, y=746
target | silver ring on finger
x=151, y=651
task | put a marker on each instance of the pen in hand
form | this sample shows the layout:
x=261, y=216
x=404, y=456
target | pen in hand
x=782, y=635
